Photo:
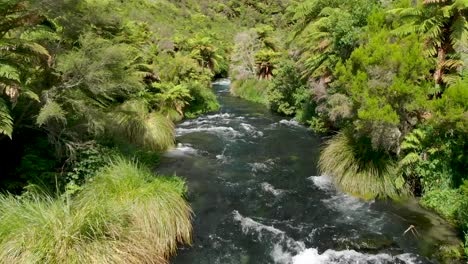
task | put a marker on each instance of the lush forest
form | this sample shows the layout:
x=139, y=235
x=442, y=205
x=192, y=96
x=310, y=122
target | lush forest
x=91, y=90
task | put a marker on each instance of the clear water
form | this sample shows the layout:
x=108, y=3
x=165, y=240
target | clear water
x=258, y=197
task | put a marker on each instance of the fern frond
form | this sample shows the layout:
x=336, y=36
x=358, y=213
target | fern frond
x=6, y=120
x=51, y=110
x=8, y=72
x=410, y=159
x=406, y=145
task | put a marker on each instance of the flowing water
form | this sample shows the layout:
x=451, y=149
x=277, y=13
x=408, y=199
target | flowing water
x=258, y=197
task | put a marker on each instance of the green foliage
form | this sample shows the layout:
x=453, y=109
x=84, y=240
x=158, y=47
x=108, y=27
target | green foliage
x=6, y=121
x=251, y=89
x=38, y=166
x=385, y=81
x=21, y=58
x=125, y=215
x=87, y=160
x=288, y=92
x=100, y=69
x=444, y=26
x=327, y=31
x=203, y=100
x=359, y=169
x=446, y=202
x=51, y=110
x=265, y=60
x=451, y=111
x=137, y=125
x=172, y=97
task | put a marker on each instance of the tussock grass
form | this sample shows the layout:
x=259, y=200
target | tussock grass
x=147, y=129
x=360, y=170
x=124, y=215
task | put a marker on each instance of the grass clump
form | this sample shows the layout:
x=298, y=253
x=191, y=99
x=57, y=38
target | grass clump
x=252, y=90
x=359, y=169
x=123, y=215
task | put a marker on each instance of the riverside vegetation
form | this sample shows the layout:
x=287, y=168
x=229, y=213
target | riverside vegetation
x=385, y=81
x=90, y=91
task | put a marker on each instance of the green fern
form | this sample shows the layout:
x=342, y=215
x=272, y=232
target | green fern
x=51, y=110
x=6, y=121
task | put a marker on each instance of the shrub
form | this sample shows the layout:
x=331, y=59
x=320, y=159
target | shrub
x=203, y=100
x=445, y=202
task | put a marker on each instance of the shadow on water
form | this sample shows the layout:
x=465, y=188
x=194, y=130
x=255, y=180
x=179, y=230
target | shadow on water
x=258, y=198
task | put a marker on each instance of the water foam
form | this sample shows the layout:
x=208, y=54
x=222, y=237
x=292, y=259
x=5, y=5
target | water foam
x=181, y=150
x=286, y=250
x=224, y=82
x=213, y=119
x=286, y=122
x=312, y=256
x=324, y=183
x=262, y=166
x=248, y=225
x=220, y=130
x=251, y=130
x=270, y=189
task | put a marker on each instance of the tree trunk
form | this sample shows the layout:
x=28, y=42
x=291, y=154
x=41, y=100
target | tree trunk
x=441, y=54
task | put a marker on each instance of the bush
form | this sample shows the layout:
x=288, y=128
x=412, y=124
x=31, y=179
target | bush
x=203, y=100
x=445, y=202
x=288, y=92
x=123, y=215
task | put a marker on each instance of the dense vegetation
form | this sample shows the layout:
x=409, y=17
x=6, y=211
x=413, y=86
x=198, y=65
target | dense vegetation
x=86, y=86
x=387, y=81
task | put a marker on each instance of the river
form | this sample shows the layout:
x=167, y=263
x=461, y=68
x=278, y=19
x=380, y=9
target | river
x=259, y=198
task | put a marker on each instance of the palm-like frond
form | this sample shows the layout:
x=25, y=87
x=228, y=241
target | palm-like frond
x=6, y=121
x=444, y=27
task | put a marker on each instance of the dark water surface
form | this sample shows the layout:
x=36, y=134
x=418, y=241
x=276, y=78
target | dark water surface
x=258, y=197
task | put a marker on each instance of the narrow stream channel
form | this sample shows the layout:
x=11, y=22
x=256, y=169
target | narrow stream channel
x=258, y=197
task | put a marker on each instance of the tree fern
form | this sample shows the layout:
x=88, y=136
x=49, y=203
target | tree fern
x=444, y=26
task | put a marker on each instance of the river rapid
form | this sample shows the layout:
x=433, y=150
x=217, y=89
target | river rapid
x=258, y=197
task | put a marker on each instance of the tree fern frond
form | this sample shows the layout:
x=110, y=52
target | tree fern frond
x=410, y=159
x=408, y=145
x=452, y=64
x=459, y=30
x=8, y=72
x=450, y=79
x=406, y=13
x=6, y=120
x=30, y=94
